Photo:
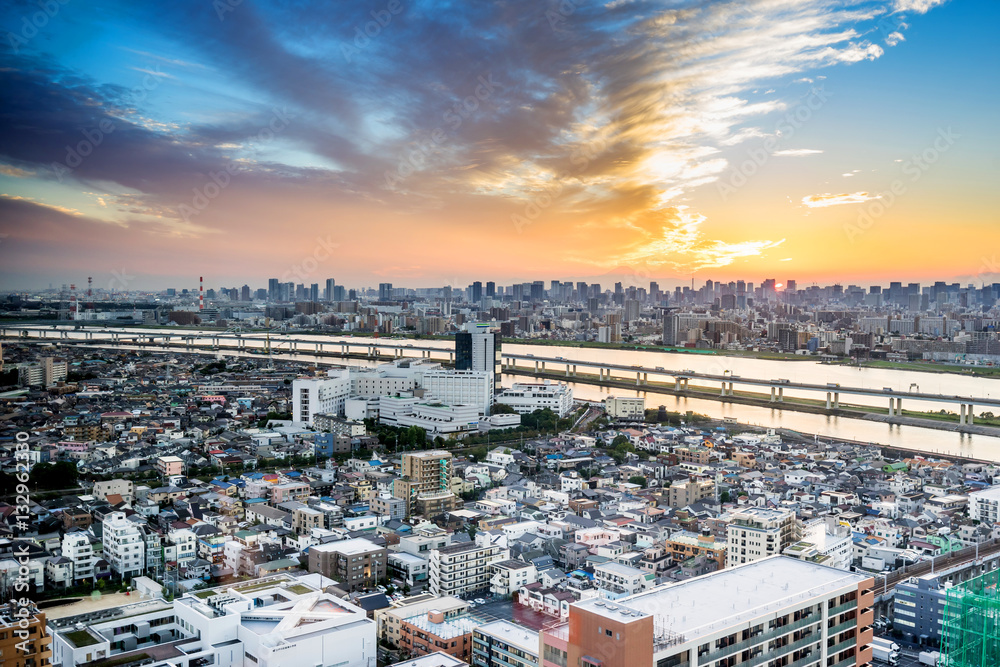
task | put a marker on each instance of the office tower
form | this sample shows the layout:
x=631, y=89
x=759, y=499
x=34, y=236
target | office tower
x=272, y=289
x=518, y=292
x=671, y=326
x=538, y=290
x=339, y=293
x=476, y=349
x=790, y=285
x=491, y=289
x=776, y=611
x=476, y=292
x=314, y=292
x=331, y=284
x=245, y=293
x=631, y=310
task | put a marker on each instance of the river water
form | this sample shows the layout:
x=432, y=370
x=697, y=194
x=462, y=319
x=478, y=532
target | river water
x=931, y=440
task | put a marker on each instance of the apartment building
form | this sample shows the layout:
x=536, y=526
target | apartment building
x=431, y=632
x=390, y=620
x=504, y=643
x=124, y=545
x=427, y=476
x=510, y=575
x=170, y=465
x=757, y=532
x=616, y=580
x=24, y=641
x=984, y=505
x=683, y=545
x=354, y=564
x=121, y=487
x=682, y=494
x=77, y=548
x=773, y=612
x=320, y=395
x=461, y=569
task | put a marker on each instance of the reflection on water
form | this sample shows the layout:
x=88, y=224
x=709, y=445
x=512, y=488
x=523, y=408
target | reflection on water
x=944, y=442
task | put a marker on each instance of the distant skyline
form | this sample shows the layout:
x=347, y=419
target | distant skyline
x=430, y=143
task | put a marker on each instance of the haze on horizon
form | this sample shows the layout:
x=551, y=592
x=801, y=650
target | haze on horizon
x=427, y=143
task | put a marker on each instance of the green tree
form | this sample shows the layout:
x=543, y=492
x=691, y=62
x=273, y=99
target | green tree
x=638, y=479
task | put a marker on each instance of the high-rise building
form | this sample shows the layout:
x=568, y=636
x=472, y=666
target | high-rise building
x=476, y=292
x=476, y=349
x=385, y=291
x=425, y=482
x=314, y=292
x=671, y=329
x=776, y=611
x=491, y=289
x=329, y=293
x=538, y=290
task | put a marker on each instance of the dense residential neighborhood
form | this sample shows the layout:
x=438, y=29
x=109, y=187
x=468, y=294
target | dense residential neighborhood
x=184, y=512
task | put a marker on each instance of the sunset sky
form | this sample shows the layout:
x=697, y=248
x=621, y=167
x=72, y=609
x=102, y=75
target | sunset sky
x=429, y=143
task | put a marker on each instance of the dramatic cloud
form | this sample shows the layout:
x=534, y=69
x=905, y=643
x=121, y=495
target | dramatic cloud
x=514, y=123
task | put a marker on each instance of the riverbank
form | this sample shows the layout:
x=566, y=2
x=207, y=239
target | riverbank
x=923, y=367
x=761, y=401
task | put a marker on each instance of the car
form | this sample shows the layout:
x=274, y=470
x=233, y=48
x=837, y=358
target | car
x=472, y=603
x=480, y=601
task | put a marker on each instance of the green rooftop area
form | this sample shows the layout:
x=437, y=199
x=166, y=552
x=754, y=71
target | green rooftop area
x=81, y=638
x=298, y=589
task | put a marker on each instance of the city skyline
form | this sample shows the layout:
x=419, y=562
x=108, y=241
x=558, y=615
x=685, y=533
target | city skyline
x=835, y=141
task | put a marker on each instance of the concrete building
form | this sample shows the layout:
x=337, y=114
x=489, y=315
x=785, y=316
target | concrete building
x=527, y=397
x=625, y=407
x=509, y=575
x=757, y=532
x=682, y=494
x=461, y=387
x=390, y=620
x=354, y=564
x=774, y=611
x=432, y=631
x=434, y=417
x=390, y=506
x=170, y=465
x=24, y=641
x=425, y=480
x=78, y=549
x=464, y=568
x=616, y=580
x=121, y=487
x=825, y=542
x=477, y=349
x=984, y=505
x=124, y=545
x=320, y=395
x=505, y=644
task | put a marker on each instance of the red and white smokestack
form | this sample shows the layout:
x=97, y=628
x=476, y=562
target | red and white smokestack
x=201, y=293
x=72, y=302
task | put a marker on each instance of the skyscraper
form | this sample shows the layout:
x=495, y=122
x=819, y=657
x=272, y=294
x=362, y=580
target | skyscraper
x=476, y=349
x=330, y=285
x=385, y=291
x=671, y=324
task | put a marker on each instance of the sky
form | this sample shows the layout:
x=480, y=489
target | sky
x=431, y=143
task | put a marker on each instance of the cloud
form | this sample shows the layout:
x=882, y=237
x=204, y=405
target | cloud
x=894, y=38
x=60, y=209
x=821, y=201
x=796, y=152
x=917, y=6
x=16, y=172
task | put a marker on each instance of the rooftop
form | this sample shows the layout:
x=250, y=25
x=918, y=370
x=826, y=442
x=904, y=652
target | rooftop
x=750, y=591
x=515, y=635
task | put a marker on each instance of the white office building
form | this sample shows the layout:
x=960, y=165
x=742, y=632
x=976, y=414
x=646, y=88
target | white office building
x=124, y=545
x=527, y=397
x=435, y=418
x=461, y=388
x=326, y=395
x=625, y=407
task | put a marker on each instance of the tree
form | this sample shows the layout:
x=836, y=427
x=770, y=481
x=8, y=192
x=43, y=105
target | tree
x=724, y=497
x=471, y=530
x=638, y=479
x=60, y=475
x=502, y=409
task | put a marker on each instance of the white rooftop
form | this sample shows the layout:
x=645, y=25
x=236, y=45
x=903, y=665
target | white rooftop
x=992, y=493
x=358, y=545
x=515, y=635
x=722, y=599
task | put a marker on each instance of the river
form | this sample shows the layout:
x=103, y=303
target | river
x=931, y=440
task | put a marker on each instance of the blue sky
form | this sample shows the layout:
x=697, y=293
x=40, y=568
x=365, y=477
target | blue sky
x=572, y=140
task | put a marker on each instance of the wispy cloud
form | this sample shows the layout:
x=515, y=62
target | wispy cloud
x=821, y=201
x=796, y=152
x=917, y=6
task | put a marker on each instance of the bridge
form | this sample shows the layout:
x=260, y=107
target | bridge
x=281, y=343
